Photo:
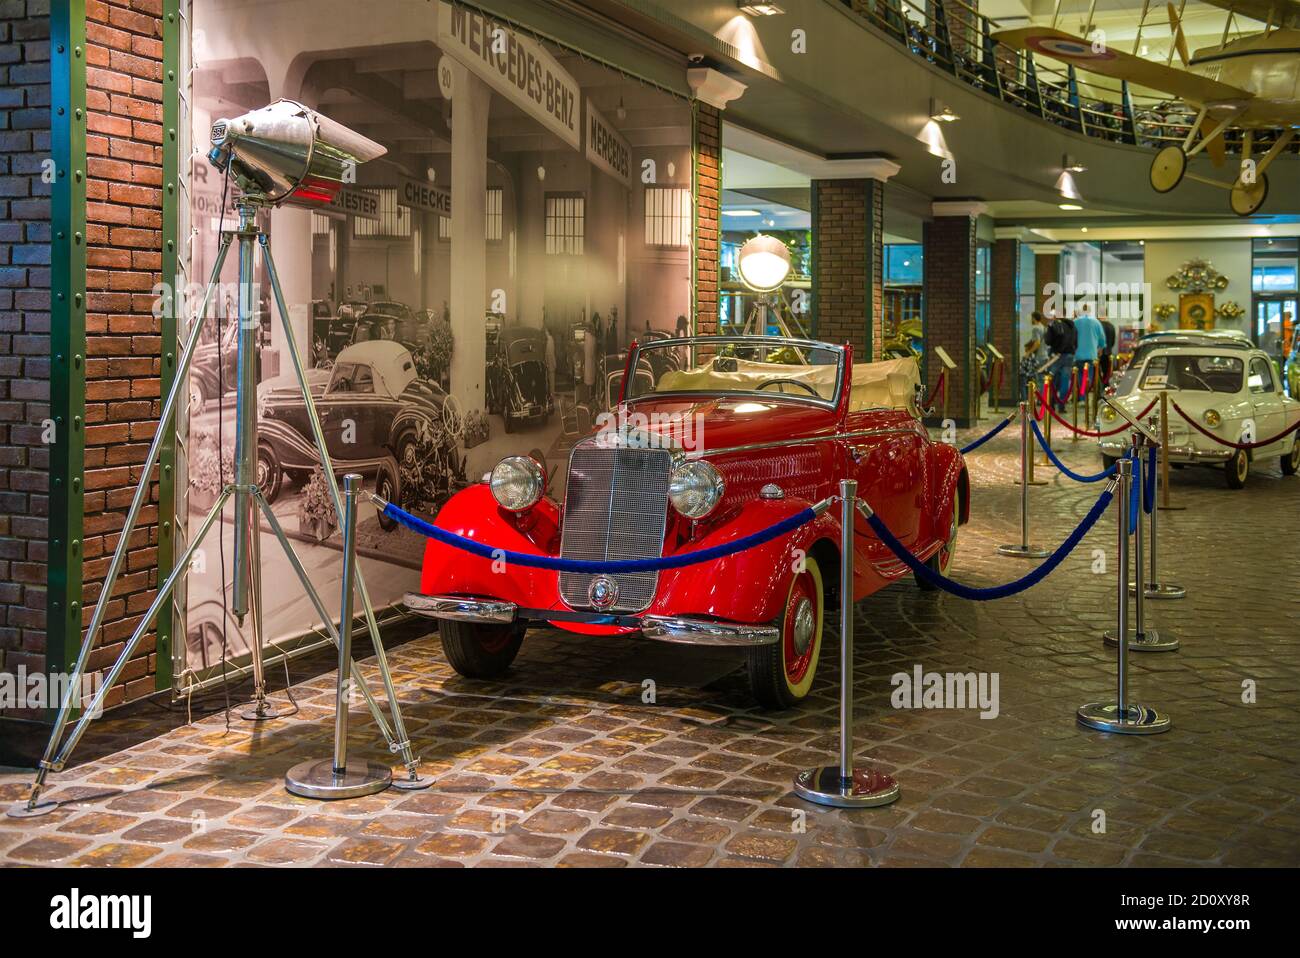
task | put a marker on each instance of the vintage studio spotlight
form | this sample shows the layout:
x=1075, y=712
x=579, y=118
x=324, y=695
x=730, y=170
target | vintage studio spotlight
x=764, y=264
x=281, y=153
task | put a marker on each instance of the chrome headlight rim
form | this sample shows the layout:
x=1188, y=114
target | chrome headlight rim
x=517, y=483
x=695, y=488
x=1212, y=418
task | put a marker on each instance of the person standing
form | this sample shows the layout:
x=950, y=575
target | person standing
x=1090, y=339
x=1108, y=348
x=1063, y=340
x=1035, y=349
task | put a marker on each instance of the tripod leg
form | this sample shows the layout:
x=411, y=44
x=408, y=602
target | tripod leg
x=331, y=482
x=137, y=502
x=315, y=598
x=261, y=708
x=32, y=806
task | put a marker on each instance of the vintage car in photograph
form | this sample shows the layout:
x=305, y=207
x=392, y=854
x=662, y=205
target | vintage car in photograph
x=1231, y=390
x=212, y=370
x=377, y=416
x=698, y=457
x=518, y=384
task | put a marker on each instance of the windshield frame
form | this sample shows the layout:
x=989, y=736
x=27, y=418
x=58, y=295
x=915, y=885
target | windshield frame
x=693, y=342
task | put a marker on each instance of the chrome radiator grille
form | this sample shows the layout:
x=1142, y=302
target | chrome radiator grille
x=616, y=507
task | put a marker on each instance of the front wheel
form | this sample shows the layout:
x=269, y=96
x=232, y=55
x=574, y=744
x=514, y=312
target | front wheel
x=782, y=673
x=1167, y=169
x=1236, y=469
x=1291, y=463
x=477, y=650
x=270, y=477
x=387, y=488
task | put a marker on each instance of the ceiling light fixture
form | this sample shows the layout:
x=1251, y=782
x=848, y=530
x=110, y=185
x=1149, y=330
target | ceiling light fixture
x=1070, y=206
x=760, y=9
x=741, y=213
x=1072, y=165
x=942, y=112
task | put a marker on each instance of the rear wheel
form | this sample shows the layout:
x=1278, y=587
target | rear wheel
x=480, y=651
x=1108, y=461
x=941, y=561
x=782, y=673
x=1291, y=463
x=1236, y=469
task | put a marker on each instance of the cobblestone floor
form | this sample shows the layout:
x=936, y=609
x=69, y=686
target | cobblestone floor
x=564, y=764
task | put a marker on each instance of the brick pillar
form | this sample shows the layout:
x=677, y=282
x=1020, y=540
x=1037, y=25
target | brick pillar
x=707, y=151
x=24, y=337
x=1004, y=293
x=848, y=263
x=949, y=242
x=123, y=338
x=1047, y=271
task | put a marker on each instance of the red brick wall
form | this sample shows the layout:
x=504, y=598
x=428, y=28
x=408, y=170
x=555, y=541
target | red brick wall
x=949, y=243
x=123, y=338
x=1005, y=302
x=848, y=233
x=708, y=189
x=24, y=332
x=1047, y=270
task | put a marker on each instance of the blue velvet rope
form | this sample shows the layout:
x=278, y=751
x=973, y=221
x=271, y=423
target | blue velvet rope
x=1134, y=501
x=1001, y=591
x=607, y=566
x=1077, y=477
x=988, y=435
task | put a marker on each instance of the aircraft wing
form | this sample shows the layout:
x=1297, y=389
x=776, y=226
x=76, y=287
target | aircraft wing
x=1122, y=66
x=1285, y=13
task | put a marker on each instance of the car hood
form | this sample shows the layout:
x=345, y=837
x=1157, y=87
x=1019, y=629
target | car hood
x=707, y=424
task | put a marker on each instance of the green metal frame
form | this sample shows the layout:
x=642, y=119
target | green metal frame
x=173, y=28
x=67, y=331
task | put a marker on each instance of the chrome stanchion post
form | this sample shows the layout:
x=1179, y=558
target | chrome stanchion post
x=845, y=786
x=1024, y=550
x=1144, y=639
x=337, y=776
x=1121, y=715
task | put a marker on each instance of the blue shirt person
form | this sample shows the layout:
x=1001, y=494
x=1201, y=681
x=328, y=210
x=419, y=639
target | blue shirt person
x=1092, y=338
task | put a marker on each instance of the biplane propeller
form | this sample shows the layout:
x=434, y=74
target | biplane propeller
x=1248, y=83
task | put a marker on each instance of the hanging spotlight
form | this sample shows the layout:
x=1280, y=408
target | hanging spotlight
x=760, y=9
x=941, y=112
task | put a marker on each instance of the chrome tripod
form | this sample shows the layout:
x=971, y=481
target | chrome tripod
x=249, y=501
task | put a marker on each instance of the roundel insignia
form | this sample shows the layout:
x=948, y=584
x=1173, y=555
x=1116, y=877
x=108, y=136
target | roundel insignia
x=1068, y=49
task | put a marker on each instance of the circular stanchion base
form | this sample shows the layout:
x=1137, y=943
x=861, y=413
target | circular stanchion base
x=262, y=711
x=866, y=789
x=408, y=784
x=20, y=809
x=1149, y=640
x=1170, y=508
x=317, y=779
x=1136, y=720
x=1160, y=590
x=1035, y=482
x=1024, y=552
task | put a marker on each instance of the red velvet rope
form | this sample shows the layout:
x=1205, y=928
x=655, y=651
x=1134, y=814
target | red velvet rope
x=940, y=389
x=1042, y=402
x=1097, y=435
x=1235, y=445
x=1083, y=383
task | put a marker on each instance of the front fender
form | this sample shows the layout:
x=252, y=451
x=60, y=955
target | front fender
x=748, y=586
x=948, y=479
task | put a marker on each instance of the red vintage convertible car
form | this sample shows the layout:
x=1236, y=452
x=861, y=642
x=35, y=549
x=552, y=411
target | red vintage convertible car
x=738, y=434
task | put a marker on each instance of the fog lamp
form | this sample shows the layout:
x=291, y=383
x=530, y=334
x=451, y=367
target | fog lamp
x=695, y=489
x=517, y=483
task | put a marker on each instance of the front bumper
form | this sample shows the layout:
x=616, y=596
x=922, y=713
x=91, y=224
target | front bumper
x=677, y=629
x=1184, y=453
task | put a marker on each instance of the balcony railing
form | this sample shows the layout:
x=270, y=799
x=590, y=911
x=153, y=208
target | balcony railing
x=957, y=39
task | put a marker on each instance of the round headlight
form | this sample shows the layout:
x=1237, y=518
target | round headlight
x=517, y=483
x=695, y=488
x=1107, y=414
x=1212, y=418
